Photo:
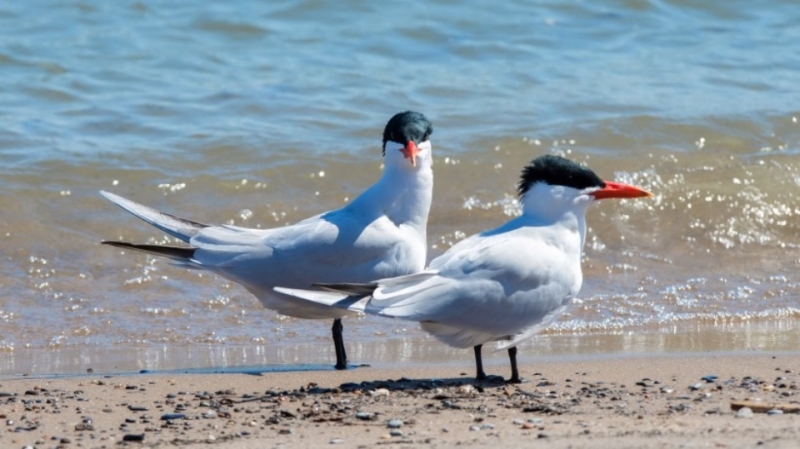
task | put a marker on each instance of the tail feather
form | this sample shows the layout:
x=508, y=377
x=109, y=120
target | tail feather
x=328, y=298
x=172, y=252
x=349, y=288
x=177, y=227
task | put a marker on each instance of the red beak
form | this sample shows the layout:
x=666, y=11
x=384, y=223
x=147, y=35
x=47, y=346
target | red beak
x=410, y=151
x=619, y=190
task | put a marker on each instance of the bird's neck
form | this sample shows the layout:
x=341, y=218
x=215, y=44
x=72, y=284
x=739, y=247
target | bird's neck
x=402, y=195
x=541, y=211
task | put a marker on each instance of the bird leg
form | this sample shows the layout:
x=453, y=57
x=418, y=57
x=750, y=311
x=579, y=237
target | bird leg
x=512, y=355
x=480, y=375
x=338, y=344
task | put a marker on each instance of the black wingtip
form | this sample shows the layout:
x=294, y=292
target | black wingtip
x=348, y=288
x=172, y=252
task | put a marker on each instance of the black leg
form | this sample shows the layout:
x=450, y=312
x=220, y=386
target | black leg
x=338, y=344
x=512, y=355
x=480, y=375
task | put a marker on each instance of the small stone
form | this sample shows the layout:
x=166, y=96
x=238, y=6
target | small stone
x=172, y=416
x=466, y=389
x=528, y=426
x=364, y=416
x=211, y=439
x=65, y=440
x=775, y=411
x=381, y=392
x=138, y=408
x=474, y=428
x=337, y=441
x=286, y=431
x=518, y=422
x=487, y=426
x=396, y=433
x=696, y=386
x=209, y=414
x=744, y=412
x=710, y=378
x=536, y=421
x=83, y=426
x=394, y=424
x=133, y=437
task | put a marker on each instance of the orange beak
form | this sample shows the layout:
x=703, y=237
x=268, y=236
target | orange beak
x=619, y=190
x=410, y=151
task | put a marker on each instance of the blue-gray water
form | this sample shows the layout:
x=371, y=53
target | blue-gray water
x=264, y=113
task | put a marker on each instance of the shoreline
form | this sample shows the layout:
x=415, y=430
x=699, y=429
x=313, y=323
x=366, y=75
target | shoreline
x=608, y=401
x=413, y=351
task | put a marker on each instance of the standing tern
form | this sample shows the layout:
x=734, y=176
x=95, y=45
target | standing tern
x=504, y=284
x=380, y=234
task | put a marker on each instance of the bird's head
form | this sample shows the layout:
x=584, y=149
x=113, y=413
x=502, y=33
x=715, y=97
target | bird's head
x=552, y=185
x=406, y=138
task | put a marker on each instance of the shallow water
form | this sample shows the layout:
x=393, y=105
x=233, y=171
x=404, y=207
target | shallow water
x=263, y=114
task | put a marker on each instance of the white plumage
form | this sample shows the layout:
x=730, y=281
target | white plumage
x=381, y=233
x=500, y=285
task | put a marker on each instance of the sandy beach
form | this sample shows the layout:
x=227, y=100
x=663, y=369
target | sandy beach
x=670, y=401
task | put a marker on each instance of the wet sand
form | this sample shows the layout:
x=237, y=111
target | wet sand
x=670, y=401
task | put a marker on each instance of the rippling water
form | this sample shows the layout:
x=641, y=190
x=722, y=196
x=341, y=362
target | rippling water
x=263, y=113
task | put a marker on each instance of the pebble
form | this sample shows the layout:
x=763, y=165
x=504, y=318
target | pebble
x=133, y=437
x=536, y=421
x=286, y=431
x=466, y=389
x=394, y=424
x=83, y=426
x=171, y=416
x=710, y=378
x=696, y=386
x=775, y=411
x=744, y=412
x=396, y=433
x=364, y=416
x=487, y=426
x=337, y=441
x=474, y=428
x=209, y=414
x=138, y=408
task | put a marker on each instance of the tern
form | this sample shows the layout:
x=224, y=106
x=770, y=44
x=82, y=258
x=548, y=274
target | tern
x=380, y=234
x=502, y=285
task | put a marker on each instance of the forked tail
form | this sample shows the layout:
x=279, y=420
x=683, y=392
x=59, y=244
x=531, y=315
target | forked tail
x=177, y=227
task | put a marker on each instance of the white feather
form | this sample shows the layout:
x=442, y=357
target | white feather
x=382, y=233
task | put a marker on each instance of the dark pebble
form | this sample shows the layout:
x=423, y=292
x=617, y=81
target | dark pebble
x=133, y=437
x=171, y=416
x=138, y=408
x=710, y=378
